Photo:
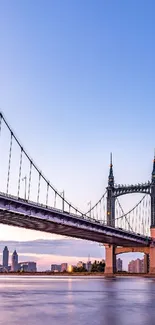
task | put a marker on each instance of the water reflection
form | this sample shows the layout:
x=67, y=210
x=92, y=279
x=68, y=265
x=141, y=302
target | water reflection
x=74, y=301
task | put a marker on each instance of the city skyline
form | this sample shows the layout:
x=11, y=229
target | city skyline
x=11, y=263
x=46, y=252
x=15, y=264
x=134, y=265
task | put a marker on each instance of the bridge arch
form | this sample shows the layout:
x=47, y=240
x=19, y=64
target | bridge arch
x=132, y=189
x=122, y=250
x=138, y=264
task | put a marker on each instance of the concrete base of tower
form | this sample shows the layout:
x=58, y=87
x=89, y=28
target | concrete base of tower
x=152, y=254
x=152, y=260
x=146, y=263
x=110, y=259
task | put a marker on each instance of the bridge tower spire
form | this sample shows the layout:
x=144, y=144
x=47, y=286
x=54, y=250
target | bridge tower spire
x=111, y=176
x=110, y=196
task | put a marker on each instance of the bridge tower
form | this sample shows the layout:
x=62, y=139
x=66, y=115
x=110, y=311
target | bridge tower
x=112, y=192
x=110, y=249
x=110, y=197
x=152, y=230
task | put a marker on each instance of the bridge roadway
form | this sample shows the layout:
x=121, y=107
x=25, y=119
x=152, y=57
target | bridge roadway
x=30, y=215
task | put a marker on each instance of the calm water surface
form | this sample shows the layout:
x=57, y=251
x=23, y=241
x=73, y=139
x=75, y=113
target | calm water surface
x=72, y=301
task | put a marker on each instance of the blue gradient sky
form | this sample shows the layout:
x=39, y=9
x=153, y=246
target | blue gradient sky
x=77, y=81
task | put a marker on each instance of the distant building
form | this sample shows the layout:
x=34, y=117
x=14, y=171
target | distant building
x=88, y=266
x=119, y=265
x=140, y=265
x=14, y=266
x=84, y=266
x=80, y=264
x=1, y=268
x=4, y=269
x=131, y=267
x=55, y=268
x=5, y=258
x=64, y=267
x=27, y=267
x=136, y=266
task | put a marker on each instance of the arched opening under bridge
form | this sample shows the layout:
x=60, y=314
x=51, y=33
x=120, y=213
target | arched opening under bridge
x=132, y=260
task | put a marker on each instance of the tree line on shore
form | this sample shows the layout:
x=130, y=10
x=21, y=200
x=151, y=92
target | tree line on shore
x=95, y=267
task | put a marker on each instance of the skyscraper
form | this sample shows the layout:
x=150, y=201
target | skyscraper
x=27, y=267
x=119, y=265
x=55, y=268
x=136, y=266
x=64, y=267
x=88, y=266
x=14, y=266
x=5, y=257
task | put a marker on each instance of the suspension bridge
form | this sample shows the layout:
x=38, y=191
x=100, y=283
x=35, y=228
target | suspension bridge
x=40, y=206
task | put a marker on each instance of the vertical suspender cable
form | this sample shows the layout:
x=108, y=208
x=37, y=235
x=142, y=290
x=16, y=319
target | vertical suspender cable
x=55, y=197
x=97, y=212
x=100, y=210
x=38, y=188
x=10, y=153
x=47, y=194
x=30, y=173
x=20, y=169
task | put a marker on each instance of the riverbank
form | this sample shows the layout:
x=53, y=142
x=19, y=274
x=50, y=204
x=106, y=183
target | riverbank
x=79, y=274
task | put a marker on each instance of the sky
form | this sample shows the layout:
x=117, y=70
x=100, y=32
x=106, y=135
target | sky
x=77, y=82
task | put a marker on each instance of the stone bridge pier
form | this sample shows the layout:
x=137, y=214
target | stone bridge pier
x=110, y=259
x=152, y=253
x=111, y=251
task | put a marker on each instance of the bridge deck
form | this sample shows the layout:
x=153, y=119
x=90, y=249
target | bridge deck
x=21, y=213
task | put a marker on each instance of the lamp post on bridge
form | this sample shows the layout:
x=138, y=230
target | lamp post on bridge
x=25, y=179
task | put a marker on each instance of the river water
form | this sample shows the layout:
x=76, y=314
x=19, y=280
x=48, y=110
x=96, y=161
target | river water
x=76, y=301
